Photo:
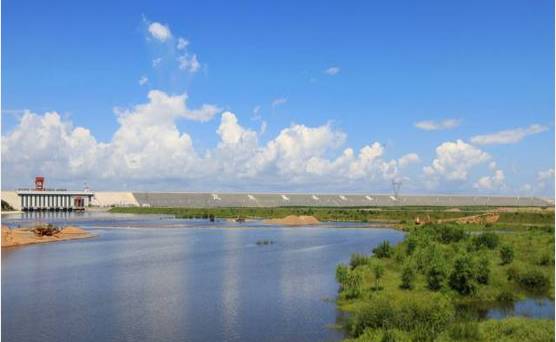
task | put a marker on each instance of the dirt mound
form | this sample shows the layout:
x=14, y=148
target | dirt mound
x=73, y=230
x=453, y=210
x=475, y=219
x=293, y=220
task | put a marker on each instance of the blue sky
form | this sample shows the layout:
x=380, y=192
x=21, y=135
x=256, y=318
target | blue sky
x=488, y=66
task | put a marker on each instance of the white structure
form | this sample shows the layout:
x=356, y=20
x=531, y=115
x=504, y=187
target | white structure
x=31, y=200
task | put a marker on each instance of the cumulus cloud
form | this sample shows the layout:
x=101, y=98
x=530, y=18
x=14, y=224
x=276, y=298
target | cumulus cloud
x=159, y=31
x=332, y=71
x=496, y=181
x=407, y=159
x=453, y=161
x=430, y=125
x=189, y=63
x=148, y=146
x=510, y=136
x=143, y=80
x=182, y=43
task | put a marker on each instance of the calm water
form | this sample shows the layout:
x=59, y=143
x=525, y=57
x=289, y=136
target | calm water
x=157, y=278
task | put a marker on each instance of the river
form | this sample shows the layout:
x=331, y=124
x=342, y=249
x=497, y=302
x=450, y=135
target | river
x=156, y=278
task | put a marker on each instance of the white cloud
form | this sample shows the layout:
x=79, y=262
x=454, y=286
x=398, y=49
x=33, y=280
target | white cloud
x=407, y=159
x=454, y=160
x=156, y=62
x=430, y=125
x=493, y=182
x=279, y=101
x=148, y=148
x=510, y=136
x=182, y=43
x=332, y=71
x=545, y=175
x=159, y=31
x=143, y=80
x=190, y=64
x=256, y=113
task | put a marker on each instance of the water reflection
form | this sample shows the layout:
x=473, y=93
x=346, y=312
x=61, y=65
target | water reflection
x=153, y=278
x=531, y=307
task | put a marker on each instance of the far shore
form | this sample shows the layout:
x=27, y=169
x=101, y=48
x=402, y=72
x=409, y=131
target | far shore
x=14, y=237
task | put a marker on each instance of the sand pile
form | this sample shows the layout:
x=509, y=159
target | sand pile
x=26, y=236
x=73, y=230
x=293, y=220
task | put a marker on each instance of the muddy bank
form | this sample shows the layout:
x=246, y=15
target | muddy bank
x=293, y=220
x=28, y=236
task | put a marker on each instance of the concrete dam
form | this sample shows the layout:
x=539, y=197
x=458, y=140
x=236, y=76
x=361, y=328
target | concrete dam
x=214, y=200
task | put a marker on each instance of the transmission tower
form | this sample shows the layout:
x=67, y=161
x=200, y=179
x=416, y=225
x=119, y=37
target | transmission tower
x=396, y=185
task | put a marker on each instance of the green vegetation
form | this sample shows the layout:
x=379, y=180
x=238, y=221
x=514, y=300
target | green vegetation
x=434, y=284
x=393, y=215
x=6, y=206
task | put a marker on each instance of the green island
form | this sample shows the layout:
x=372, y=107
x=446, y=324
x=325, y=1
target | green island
x=437, y=284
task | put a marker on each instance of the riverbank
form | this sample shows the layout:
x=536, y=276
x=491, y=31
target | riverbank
x=29, y=235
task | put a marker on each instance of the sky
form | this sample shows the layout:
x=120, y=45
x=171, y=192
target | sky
x=317, y=96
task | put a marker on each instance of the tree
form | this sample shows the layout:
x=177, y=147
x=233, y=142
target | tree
x=384, y=250
x=506, y=254
x=408, y=276
x=436, y=274
x=462, y=277
x=483, y=271
x=378, y=270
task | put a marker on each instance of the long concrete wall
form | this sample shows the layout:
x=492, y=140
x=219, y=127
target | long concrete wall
x=213, y=200
x=208, y=200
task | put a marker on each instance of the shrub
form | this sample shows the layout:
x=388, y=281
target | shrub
x=436, y=274
x=377, y=314
x=485, y=240
x=506, y=254
x=358, y=260
x=384, y=250
x=462, y=277
x=408, y=276
x=483, y=271
x=378, y=271
x=505, y=297
x=341, y=274
x=465, y=331
x=546, y=260
x=411, y=245
x=448, y=233
x=352, y=284
x=534, y=280
x=424, y=317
